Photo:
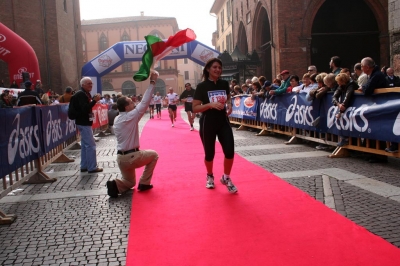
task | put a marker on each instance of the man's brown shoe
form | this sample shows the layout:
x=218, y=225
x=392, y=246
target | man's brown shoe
x=96, y=170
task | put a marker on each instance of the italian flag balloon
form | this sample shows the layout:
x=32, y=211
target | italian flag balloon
x=157, y=49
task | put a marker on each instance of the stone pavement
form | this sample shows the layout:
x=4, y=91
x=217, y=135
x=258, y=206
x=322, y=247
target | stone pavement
x=73, y=222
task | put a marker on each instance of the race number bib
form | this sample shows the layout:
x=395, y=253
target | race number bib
x=189, y=99
x=217, y=96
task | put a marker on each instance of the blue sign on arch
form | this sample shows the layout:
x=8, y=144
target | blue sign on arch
x=133, y=51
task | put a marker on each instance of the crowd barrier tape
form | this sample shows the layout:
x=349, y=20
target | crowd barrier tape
x=370, y=122
x=32, y=138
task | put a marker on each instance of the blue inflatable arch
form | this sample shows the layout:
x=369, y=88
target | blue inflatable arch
x=133, y=51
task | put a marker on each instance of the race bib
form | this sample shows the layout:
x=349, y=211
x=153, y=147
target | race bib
x=189, y=99
x=217, y=96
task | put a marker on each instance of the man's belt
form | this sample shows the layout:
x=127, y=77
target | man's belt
x=128, y=151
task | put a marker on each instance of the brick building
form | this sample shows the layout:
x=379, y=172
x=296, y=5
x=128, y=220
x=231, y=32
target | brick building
x=294, y=34
x=53, y=30
x=100, y=34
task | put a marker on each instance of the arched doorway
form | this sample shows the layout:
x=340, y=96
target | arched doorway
x=345, y=29
x=242, y=40
x=128, y=88
x=262, y=40
x=160, y=87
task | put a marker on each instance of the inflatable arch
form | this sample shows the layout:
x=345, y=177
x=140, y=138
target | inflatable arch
x=133, y=51
x=19, y=56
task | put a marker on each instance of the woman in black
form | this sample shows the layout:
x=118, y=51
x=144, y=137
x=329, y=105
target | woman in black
x=213, y=100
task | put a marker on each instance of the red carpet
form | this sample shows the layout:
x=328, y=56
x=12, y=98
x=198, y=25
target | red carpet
x=268, y=222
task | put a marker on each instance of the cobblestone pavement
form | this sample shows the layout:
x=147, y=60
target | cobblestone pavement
x=73, y=222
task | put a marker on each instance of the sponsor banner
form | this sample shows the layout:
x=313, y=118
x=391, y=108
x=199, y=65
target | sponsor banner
x=203, y=53
x=100, y=112
x=68, y=127
x=18, y=54
x=20, y=140
x=135, y=50
x=289, y=110
x=105, y=61
x=374, y=117
x=244, y=107
x=55, y=125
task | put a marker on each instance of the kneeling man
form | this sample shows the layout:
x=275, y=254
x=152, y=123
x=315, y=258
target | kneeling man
x=129, y=156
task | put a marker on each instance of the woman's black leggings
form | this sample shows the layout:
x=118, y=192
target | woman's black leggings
x=158, y=108
x=210, y=128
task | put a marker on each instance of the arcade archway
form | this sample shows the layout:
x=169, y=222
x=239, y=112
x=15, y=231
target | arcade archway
x=262, y=40
x=348, y=31
x=242, y=40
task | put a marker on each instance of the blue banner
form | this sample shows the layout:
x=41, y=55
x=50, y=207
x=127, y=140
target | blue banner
x=245, y=107
x=56, y=126
x=20, y=138
x=30, y=132
x=373, y=117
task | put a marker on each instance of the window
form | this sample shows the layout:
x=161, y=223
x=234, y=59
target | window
x=127, y=67
x=222, y=20
x=186, y=75
x=229, y=43
x=247, y=4
x=128, y=88
x=125, y=37
x=103, y=42
x=248, y=17
x=237, y=14
x=83, y=45
x=185, y=61
x=65, y=6
x=228, y=11
x=218, y=25
x=107, y=86
x=241, y=8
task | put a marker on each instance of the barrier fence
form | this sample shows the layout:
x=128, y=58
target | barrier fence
x=370, y=122
x=32, y=138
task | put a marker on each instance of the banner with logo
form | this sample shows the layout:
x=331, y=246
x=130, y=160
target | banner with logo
x=20, y=138
x=245, y=107
x=18, y=54
x=100, y=112
x=56, y=126
x=374, y=117
x=68, y=127
x=289, y=110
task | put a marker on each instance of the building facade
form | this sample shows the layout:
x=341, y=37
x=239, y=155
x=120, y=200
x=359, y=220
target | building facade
x=53, y=29
x=100, y=34
x=294, y=34
x=222, y=38
x=190, y=72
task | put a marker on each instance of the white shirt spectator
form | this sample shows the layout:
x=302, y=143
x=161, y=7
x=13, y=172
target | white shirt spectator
x=304, y=89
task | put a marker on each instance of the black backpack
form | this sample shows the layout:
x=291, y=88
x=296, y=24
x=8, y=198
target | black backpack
x=73, y=112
